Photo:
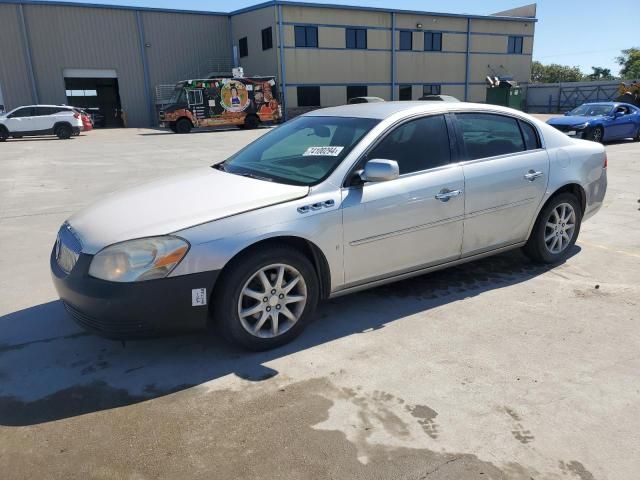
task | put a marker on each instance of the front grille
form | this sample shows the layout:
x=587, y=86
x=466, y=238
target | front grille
x=67, y=249
x=110, y=328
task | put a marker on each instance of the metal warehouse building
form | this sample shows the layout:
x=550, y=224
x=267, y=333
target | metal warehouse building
x=119, y=58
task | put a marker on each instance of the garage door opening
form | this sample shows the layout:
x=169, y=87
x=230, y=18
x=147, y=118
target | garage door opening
x=100, y=97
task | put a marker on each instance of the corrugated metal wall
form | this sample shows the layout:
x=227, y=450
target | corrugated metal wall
x=180, y=45
x=185, y=45
x=14, y=76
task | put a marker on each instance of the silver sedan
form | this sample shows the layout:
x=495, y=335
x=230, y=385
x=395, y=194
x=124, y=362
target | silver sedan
x=334, y=201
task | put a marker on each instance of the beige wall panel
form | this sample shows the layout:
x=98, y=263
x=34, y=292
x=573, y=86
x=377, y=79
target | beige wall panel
x=335, y=16
x=250, y=25
x=454, y=42
x=380, y=39
x=453, y=90
x=501, y=26
x=329, y=37
x=431, y=22
x=381, y=91
x=330, y=96
x=292, y=97
x=517, y=65
x=336, y=66
x=477, y=93
x=489, y=43
x=424, y=67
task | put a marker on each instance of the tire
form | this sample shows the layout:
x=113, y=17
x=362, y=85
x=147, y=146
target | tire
x=549, y=227
x=183, y=126
x=251, y=122
x=595, y=134
x=243, y=276
x=64, y=132
x=16, y=136
x=3, y=135
x=637, y=137
x=172, y=127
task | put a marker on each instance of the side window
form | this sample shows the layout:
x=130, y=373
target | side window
x=530, y=135
x=243, y=47
x=416, y=145
x=23, y=112
x=489, y=135
x=267, y=38
x=44, y=111
x=194, y=97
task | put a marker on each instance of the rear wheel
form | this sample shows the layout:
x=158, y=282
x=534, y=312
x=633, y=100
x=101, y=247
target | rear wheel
x=64, y=132
x=596, y=134
x=251, y=122
x=556, y=230
x=266, y=298
x=183, y=126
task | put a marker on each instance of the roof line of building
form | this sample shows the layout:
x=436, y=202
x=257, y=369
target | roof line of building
x=270, y=3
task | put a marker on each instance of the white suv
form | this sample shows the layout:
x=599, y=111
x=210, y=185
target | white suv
x=58, y=120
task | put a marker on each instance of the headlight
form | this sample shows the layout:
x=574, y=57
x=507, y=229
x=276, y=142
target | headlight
x=138, y=260
x=581, y=126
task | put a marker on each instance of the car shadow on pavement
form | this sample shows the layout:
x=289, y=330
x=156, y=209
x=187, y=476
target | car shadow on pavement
x=162, y=131
x=51, y=369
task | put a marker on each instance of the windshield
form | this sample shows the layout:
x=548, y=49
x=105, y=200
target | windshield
x=178, y=95
x=591, y=110
x=303, y=151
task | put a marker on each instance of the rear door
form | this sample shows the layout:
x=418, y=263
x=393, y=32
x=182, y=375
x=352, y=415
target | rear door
x=413, y=221
x=21, y=120
x=506, y=171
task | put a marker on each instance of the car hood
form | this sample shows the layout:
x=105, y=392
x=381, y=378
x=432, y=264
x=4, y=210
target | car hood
x=173, y=204
x=571, y=120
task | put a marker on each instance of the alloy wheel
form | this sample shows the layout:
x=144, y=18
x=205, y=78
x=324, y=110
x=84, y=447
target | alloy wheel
x=272, y=300
x=560, y=228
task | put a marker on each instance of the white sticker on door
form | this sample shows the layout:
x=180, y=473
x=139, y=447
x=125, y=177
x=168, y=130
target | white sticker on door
x=198, y=297
x=322, y=151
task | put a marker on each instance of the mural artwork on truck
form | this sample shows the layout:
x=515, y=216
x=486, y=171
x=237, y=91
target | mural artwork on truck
x=222, y=101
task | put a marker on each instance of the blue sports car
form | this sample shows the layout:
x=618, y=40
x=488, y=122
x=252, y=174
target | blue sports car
x=600, y=122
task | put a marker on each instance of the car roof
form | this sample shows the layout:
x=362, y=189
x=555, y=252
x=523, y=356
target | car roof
x=382, y=110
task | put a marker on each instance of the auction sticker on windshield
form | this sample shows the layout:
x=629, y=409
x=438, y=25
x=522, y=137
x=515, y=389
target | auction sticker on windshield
x=322, y=151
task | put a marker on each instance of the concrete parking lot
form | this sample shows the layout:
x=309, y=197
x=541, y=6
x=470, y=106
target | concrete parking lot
x=498, y=369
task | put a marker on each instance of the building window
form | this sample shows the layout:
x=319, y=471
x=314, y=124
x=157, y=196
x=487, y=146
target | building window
x=406, y=40
x=354, y=91
x=356, y=38
x=515, y=45
x=405, y=92
x=308, y=96
x=306, y=36
x=431, y=89
x=267, y=38
x=243, y=46
x=433, y=41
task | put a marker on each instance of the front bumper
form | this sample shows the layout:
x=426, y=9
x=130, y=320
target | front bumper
x=132, y=310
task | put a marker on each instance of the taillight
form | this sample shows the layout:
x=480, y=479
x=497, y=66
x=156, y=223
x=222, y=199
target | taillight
x=76, y=115
x=606, y=162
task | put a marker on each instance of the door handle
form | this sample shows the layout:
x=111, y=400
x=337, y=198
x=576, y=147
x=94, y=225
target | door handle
x=531, y=175
x=445, y=194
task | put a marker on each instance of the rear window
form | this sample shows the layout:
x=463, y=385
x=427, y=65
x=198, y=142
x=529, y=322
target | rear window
x=531, y=139
x=489, y=135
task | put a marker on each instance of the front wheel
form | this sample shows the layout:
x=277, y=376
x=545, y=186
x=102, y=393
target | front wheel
x=251, y=122
x=556, y=230
x=3, y=135
x=266, y=298
x=596, y=134
x=183, y=126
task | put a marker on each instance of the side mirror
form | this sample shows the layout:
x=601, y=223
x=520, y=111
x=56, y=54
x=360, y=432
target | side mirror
x=378, y=170
x=566, y=114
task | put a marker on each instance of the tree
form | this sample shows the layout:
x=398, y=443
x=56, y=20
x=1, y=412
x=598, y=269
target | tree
x=630, y=63
x=600, y=73
x=554, y=73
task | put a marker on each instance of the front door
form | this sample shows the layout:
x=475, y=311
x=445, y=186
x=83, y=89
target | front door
x=623, y=126
x=21, y=120
x=506, y=173
x=413, y=221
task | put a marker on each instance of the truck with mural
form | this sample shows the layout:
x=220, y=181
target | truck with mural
x=245, y=102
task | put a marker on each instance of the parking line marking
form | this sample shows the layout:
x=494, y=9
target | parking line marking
x=623, y=252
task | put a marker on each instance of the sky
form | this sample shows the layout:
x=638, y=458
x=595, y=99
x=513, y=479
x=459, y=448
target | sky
x=583, y=33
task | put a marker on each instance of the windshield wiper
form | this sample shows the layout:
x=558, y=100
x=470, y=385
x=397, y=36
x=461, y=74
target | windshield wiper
x=257, y=177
